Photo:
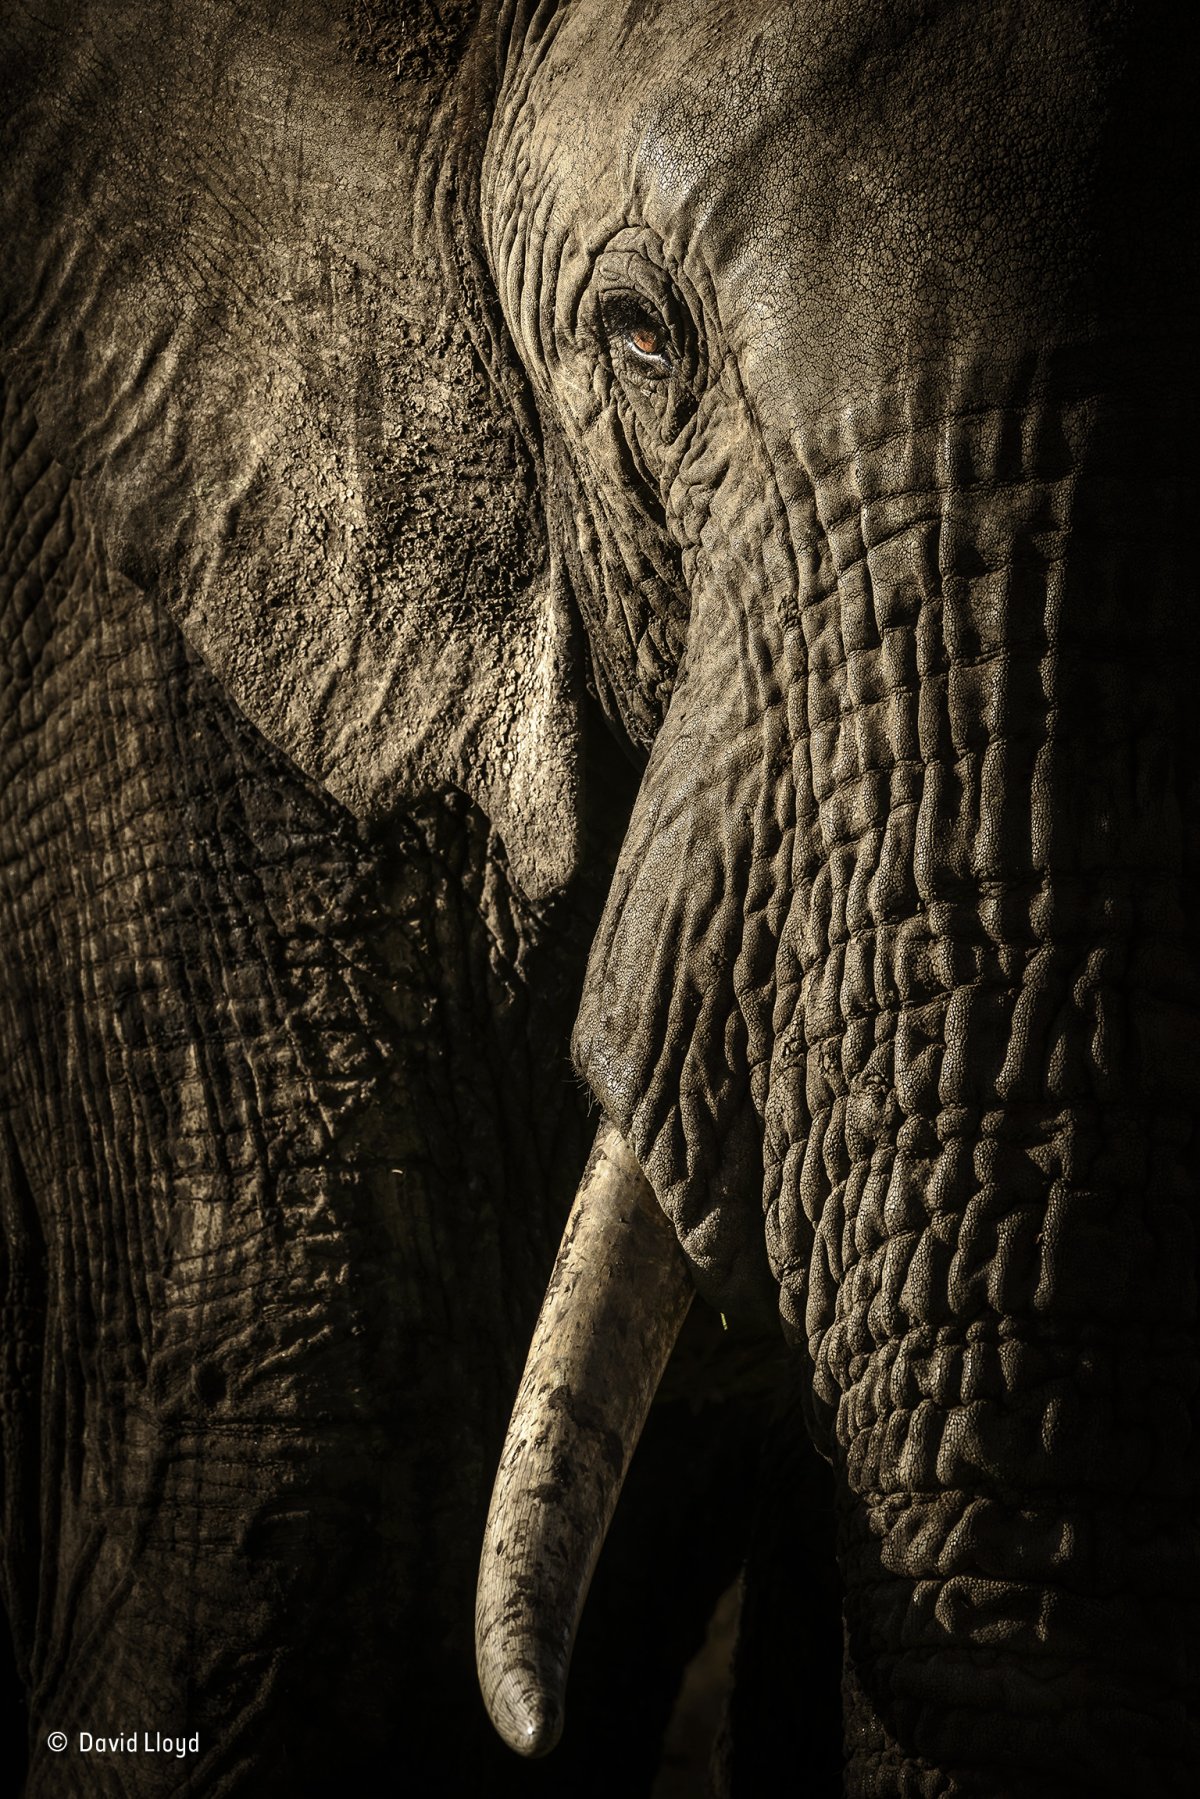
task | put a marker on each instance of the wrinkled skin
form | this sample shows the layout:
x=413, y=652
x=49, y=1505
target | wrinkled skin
x=814, y=383
x=288, y=1128
x=861, y=339
x=278, y=1202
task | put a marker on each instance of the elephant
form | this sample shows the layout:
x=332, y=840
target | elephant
x=615, y=554
x=289, y=1127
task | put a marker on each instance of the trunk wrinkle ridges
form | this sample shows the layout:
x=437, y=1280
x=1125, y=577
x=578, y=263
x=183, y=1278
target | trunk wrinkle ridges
x=941, y=782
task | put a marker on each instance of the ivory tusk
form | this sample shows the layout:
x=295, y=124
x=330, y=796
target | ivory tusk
x=617, y=1298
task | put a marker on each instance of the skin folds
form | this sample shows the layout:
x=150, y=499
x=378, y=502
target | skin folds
x=632, y=557
x=880, y=996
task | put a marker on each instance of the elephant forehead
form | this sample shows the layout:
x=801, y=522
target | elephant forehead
x=648, y=111
x=846, y=178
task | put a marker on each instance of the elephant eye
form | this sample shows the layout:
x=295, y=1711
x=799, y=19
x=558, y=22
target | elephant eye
x=638, y=338
x=649, y=341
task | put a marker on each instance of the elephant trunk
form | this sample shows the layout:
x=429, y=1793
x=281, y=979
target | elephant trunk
x=616, y=1301
x=900, y=962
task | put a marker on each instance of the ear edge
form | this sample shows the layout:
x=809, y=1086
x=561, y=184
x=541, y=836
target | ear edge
x=351, y=536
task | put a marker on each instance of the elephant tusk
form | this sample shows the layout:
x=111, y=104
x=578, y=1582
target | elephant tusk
x=614, y=1307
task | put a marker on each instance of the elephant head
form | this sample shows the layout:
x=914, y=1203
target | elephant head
x=857, y=335
x=804, y=382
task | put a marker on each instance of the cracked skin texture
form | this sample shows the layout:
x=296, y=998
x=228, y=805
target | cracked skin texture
x=883, y=568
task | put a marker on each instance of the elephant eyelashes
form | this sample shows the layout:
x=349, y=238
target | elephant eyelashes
x=639, y=341
x=646, y=348
x=648, y=341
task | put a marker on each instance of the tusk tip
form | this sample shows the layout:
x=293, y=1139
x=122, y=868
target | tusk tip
x=529, y=1719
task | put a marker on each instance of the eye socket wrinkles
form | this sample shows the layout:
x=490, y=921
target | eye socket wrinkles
x=642, y=319
x=641, y=329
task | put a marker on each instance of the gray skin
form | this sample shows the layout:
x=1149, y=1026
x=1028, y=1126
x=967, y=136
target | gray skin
x=831, y=365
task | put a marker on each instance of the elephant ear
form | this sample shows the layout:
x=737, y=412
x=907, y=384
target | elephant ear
x=244, y=288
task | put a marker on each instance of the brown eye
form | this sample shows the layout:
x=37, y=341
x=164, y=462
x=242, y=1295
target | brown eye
x=647, y=340
x=640, y=341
